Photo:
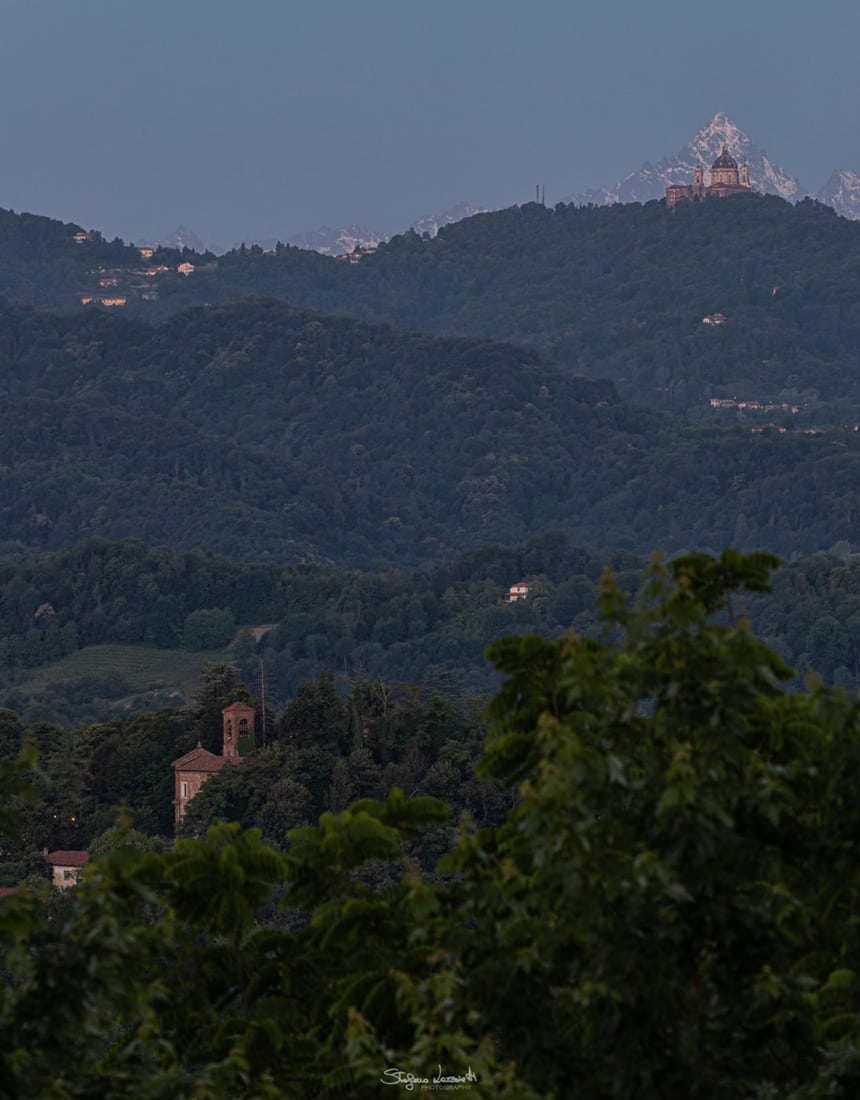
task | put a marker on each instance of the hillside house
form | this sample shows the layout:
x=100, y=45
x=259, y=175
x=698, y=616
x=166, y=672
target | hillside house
x=66, y=867
x=185, y=269
x=96, y=299
x=357, y=254
x=146, y=253
x=518, y=591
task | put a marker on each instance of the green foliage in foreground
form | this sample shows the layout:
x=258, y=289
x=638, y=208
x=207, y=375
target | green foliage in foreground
x=669, y=910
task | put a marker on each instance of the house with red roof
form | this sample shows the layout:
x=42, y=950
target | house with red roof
x=66, y=867
x=518, y=591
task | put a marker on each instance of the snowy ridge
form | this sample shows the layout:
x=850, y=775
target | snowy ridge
x=336, y=242
x=651, y=181
x=432, y=223
x=842, y=193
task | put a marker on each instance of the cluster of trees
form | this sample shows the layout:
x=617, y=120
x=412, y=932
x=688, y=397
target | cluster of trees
x=667, y=908
x=325, y=750
x=124, y=592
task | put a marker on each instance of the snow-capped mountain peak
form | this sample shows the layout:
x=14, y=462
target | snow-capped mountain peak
x=651, y=181
x=183, y=238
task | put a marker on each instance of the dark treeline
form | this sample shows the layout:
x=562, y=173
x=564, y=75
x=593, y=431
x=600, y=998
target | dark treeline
x=428, y=627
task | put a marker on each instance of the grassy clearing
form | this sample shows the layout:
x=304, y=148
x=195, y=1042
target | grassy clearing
x=142, y=667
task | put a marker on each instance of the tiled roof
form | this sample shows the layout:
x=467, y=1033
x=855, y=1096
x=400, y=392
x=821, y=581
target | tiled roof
x=8, y=891
x=63, y=858
x=200, y=760
x=236, y=707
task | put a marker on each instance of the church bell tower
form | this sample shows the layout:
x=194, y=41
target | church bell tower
x=238, y=729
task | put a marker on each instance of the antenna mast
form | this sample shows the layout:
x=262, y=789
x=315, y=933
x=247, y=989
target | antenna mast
x=263, y=701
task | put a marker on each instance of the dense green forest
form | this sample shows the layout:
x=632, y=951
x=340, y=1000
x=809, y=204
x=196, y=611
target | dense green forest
x=255, y=430
x=663, y=877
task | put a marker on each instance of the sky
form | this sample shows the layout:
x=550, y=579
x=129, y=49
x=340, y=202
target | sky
x=271, y=117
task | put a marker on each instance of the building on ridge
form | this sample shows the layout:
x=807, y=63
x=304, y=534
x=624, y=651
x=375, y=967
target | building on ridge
x=725, y=179
x=195, y=768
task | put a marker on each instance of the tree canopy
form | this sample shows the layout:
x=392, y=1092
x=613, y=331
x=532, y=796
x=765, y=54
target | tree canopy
x=668, y=910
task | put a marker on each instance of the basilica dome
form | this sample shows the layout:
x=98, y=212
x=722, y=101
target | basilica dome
x=725, y=160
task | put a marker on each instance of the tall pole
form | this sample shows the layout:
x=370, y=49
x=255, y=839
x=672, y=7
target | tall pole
x=263, y=699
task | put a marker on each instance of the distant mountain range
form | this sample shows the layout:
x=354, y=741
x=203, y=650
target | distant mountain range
x=841, y=192
x=336, y=242
x=326, y=240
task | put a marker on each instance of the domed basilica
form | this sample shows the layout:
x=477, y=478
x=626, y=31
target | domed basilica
x=726, y=179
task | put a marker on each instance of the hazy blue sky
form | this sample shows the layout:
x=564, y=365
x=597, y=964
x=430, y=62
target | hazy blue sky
x=268, y=117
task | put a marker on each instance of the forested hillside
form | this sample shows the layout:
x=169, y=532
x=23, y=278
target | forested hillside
x=256, y=431
x=429, y=627
x=617, y=292
x=53, y=264
x=612, y=292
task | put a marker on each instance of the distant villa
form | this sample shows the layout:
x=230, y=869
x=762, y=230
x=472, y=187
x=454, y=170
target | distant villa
x=726, y=179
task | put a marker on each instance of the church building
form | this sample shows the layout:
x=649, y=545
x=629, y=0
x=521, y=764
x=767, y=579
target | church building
x=193, y=769
x=726, y=179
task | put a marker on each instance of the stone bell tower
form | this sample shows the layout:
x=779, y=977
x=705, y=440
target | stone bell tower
x=238, y=729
